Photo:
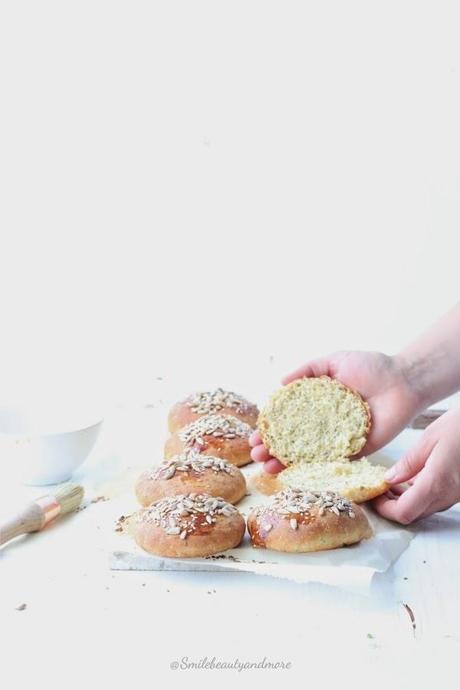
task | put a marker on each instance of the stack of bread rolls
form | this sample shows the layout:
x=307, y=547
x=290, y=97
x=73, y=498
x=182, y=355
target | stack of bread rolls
x=217, y=423
x=314, y=426
x=188, y=499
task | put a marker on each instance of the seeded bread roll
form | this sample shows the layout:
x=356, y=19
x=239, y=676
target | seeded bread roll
x=303, y=521
x=357, y=480
x=314, y=420
x=219, y=435
x=212, y=402
x=188, y=526
x=191, y=472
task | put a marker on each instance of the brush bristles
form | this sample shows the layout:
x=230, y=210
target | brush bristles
x=69, y=496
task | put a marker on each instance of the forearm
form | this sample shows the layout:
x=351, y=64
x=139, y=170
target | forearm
x=431, y=364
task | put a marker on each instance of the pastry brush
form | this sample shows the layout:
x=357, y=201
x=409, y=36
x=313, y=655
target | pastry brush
x=39, y=513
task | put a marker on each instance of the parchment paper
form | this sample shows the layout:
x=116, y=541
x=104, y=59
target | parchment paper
x=350, y=568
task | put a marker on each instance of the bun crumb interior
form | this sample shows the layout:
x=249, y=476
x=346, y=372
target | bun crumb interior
x=357, y=480
x=313, y=426
x=314, y=420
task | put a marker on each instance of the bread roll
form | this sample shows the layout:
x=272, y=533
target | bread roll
x=219, y=435
x=314, y=420
x=188, y=526
x=205, y=403
x=314, y=426
x=299, y=522
x=357, y=480
x=191, y=472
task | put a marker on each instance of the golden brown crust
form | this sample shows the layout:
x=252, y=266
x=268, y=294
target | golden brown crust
x=265, y=483
x=226, y=533
x=237, y=450
x=182, y=414
x=316, y=533
x=270, y=484
x=229, y=486
x=367, y=409
x=264, y=423
x=365, y=493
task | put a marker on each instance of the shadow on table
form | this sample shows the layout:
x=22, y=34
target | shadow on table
x=439, y=523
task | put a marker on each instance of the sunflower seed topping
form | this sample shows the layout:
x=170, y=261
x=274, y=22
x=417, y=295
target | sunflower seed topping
x=210, y=402
x=169, y=513
x=190, y=461
x=295, y=502
x=212, y=425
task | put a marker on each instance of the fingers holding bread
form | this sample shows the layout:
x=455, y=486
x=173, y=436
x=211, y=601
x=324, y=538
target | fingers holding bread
x=315, y=426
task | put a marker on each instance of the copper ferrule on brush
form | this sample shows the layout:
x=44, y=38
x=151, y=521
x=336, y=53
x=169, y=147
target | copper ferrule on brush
x=49, y=507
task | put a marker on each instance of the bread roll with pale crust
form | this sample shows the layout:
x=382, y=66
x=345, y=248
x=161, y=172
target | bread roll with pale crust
x=357, y=480
x=303, y=521
x=205, y=403
x=219, y=435
x=191, y=472
x=188, y=526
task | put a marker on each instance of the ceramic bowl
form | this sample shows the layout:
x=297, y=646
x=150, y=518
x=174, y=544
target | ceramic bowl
x=46, y=445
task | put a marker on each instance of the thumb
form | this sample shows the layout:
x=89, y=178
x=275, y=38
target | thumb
x=413, y=461
x=313, y=368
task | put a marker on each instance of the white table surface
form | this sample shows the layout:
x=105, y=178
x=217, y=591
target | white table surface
x=85, y=624
x=301, y=160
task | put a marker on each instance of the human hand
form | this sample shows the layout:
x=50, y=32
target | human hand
x=432, y=468
x=382, y=382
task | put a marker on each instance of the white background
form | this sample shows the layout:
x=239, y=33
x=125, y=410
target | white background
x=206, y=192
x=205, y=182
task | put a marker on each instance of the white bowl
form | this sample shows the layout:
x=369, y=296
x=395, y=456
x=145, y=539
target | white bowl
x=46, y=445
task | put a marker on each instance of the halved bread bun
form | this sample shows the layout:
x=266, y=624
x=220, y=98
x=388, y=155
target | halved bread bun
x=314, y=420
x=357, y=480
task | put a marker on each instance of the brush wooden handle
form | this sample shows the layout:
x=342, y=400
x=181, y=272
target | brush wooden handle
x=423, y=420
x=31, y=519
x=42, y=511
